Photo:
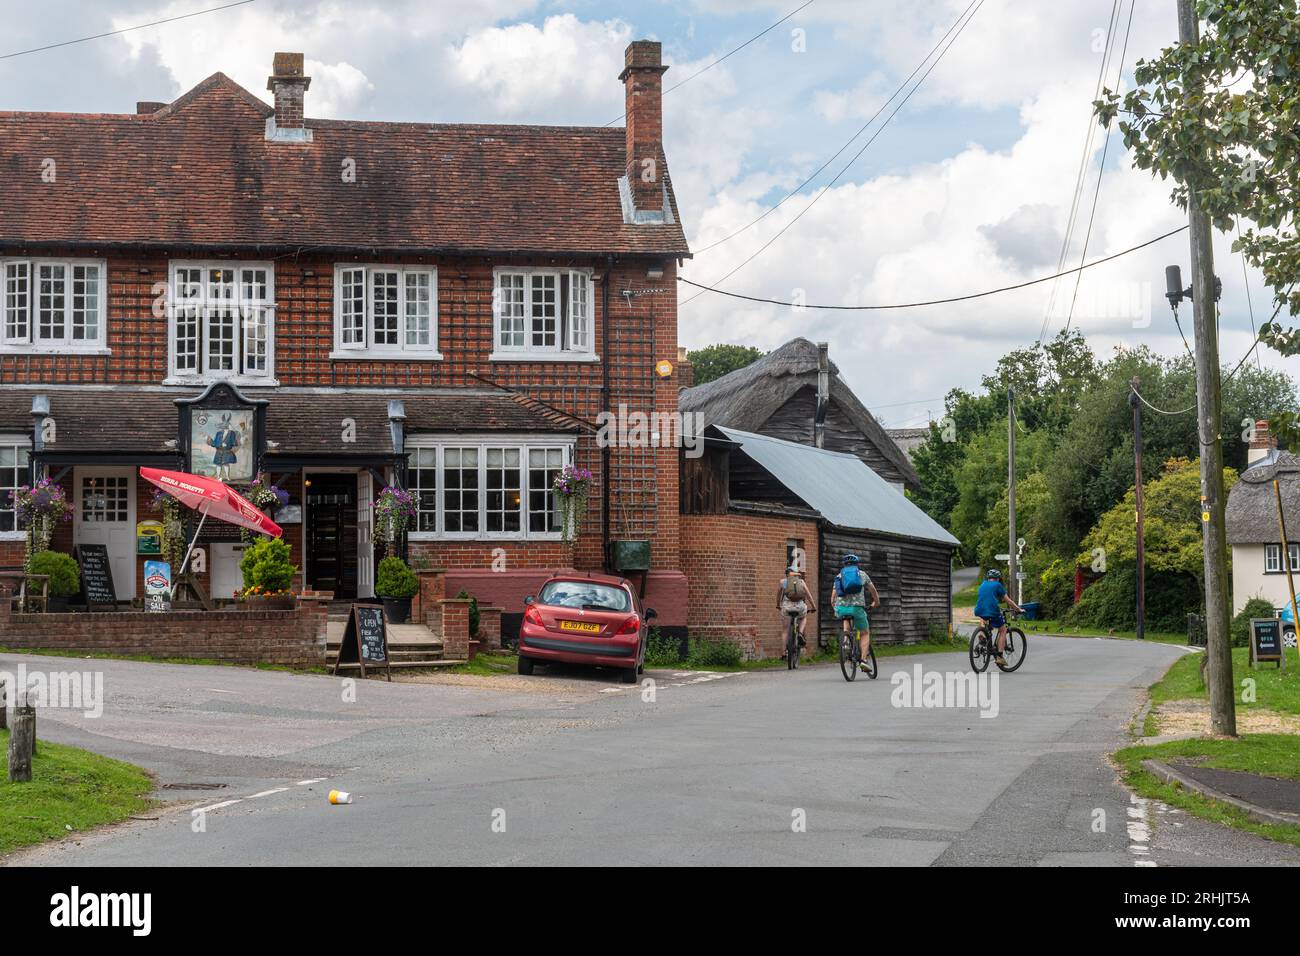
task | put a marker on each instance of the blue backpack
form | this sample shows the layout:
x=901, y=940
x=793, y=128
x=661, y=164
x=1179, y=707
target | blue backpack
x=851, y=580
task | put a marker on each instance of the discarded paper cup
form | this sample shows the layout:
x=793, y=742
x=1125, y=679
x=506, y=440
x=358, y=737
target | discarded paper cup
x=340, y=796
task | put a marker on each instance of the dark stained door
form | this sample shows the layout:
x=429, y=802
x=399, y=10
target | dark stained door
x=332, y=534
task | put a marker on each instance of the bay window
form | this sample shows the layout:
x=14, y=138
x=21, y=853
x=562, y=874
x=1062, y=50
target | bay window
x=222, y=318
x=383, y=311
x=542, y=315
x=14, y=473
x=486, y=487
x=51, y=305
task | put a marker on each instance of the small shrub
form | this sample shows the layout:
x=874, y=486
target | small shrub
x=266, y=567
x=65, y=576
x=714, y=653
x=395, y=580
x=1056, y=589
x=662, y=650
x=1240, y=627
x=473, y=611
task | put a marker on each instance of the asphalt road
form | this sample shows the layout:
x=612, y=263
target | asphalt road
x=581, y=770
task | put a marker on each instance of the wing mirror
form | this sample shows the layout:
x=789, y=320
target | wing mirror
x=651, y=614
x=530, y=599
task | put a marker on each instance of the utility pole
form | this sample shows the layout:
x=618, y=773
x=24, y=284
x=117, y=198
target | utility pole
x=1223, y=716
x=1139, y=500
x=1012, y=563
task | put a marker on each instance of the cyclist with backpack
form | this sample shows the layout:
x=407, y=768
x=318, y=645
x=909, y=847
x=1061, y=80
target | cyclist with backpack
x=793, y=597
x=850, y=590
x=988, y=605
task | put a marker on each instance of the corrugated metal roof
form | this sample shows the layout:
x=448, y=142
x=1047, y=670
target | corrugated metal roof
x=841, y=487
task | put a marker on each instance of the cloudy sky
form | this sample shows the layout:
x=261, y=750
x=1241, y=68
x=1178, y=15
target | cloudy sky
x=967, y=188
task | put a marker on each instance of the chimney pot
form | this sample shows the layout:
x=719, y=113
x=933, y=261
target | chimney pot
x=642, y=78
x=1261, y=444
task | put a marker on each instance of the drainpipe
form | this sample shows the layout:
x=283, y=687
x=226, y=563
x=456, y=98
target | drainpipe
x=40, y=411
x=397, y=435
x=605, y=406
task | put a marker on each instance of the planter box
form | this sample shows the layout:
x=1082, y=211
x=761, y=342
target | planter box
x=270, y=602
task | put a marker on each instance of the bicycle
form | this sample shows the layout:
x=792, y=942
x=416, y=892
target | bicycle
x=984, y=647
x=851, y=656
x=792, y=642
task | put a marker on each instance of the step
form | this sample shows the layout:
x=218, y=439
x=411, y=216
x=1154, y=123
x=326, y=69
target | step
x=401, y=665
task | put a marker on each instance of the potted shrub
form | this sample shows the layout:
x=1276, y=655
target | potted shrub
x=64, y=575
x=268, y=576
x=395, y=585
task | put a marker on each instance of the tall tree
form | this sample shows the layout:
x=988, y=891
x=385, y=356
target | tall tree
x=715, y=361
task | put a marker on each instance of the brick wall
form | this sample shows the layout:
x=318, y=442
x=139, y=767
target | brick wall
x=295, y=638
x=643, y=330
x=734, y=564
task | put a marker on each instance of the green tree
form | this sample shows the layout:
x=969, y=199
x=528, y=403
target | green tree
x=1172, y=525
x=715, y=361
x=1221, y=118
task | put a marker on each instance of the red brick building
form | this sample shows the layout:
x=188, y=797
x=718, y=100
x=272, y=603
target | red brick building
x=217, y=283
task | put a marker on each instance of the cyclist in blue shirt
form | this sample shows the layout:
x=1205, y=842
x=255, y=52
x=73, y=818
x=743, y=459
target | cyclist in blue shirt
x=988, y=605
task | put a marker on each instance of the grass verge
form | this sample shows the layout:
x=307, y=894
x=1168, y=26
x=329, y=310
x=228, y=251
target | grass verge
x=1275, y=755
x=70, y=790
x=1274, y=689
x=1059, y=629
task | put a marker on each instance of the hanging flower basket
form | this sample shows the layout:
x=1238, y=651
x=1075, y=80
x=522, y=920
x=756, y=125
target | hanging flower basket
x=40, y=507
x=264, y=496
x=395, y=511
x=571, y=487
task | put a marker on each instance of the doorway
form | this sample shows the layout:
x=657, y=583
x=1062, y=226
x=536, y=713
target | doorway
x=331, y=532
x=104, y=503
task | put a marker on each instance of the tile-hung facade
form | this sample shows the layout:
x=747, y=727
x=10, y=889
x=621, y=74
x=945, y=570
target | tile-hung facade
x=226, y=287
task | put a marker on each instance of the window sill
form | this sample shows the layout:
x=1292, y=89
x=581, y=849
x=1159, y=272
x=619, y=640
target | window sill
x=362, y=355
x=13, y=535
x=543, y=357
x=54, y=350
x=241, y=380
x=427, y=536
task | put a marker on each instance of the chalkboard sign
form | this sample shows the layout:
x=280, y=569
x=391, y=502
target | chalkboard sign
x=96, y=575
x=1266, y=641
x=365, y=639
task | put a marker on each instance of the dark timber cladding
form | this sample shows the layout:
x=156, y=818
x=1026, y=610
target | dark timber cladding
x=914, y=579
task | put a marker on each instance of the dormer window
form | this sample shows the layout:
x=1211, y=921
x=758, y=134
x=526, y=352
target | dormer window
x=221, y=318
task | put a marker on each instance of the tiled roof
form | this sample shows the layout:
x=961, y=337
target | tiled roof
x=303, y=423
x=200, y=173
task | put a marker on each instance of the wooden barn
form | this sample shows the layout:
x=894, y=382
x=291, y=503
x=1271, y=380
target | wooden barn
x=795, y=393
x=751, y=502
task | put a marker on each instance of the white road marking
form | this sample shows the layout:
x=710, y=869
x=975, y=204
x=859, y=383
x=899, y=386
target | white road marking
x=267, y=793
x=218, y=690
x=303, y=783
x=1139, y=832
x=218, y=806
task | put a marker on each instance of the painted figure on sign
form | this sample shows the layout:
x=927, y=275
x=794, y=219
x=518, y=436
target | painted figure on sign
x=223, y=444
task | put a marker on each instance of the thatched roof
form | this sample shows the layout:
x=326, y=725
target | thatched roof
x=748, y=397
x=1252, y=505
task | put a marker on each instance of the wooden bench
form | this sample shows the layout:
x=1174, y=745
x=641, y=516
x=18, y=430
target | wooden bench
x=25, y=598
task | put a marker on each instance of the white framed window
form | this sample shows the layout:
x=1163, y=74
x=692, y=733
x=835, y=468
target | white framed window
x=1294, y=550
x=221, y=322
x=14, y=473
x=53, y=305
x=486, y=487
x=1272, y=558
x=385, y=311
x=542, y=315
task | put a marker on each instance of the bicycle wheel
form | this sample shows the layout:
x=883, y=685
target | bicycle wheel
x=872, y=670
x=1014, y=652
x=979, y=654
x=792, y=647
x=848, y=666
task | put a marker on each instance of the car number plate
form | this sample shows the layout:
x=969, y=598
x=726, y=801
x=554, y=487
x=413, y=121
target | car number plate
x=583, y=626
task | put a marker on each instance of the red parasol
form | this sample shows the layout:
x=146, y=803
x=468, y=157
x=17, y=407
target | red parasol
x=208, y=496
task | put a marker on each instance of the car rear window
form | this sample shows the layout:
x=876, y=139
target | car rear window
x=585, y=594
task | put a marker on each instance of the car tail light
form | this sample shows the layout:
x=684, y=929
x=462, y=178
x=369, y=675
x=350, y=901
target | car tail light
x=534, y=616
x=630, y=626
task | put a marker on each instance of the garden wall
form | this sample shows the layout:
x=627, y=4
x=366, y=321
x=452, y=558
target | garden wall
x=294, y=638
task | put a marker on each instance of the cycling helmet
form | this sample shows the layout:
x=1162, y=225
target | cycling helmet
x=849, y=559
x=994, y=574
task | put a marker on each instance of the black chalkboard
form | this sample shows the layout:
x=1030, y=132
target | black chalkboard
x=1266, y=640
x=365, y=639
x=96, y=575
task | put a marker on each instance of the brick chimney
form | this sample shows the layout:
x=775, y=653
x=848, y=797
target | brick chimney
x=289, y=85
x=1261, y=444
x=642, y=78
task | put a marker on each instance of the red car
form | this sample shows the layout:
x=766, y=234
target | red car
x=584, y=618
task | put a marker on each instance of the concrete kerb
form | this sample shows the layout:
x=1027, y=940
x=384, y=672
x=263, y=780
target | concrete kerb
x=1257, y=813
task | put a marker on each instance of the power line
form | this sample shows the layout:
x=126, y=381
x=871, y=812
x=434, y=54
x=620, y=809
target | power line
x=862, y=129
x=1245, y=279
x=113, y=33
x=959, y=298
x=1081, y=176
x=1092, y=213
x=706, y=69
x=759, y=251
x=1160, y=411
